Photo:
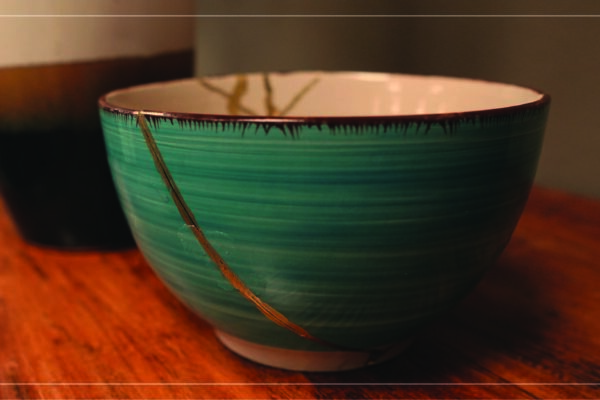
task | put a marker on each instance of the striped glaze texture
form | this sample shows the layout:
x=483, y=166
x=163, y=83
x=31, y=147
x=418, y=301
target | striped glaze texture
x=361, y=231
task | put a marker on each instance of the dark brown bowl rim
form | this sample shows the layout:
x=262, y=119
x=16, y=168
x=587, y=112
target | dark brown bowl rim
x=538, y=104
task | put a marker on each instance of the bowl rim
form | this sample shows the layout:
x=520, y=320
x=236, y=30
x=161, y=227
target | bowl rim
x=543, y=101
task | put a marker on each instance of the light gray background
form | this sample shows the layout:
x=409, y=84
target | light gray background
x=559, y=55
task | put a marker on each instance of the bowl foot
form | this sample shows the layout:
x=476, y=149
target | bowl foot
x=308, y=361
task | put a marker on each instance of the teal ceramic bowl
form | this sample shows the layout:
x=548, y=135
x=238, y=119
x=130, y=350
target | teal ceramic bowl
x=320, y=220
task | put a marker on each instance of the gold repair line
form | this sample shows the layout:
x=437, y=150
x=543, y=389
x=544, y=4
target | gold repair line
x=269, y=105
x=228, y=96
x=299, y=96
x=188, y=217
x=239, y=90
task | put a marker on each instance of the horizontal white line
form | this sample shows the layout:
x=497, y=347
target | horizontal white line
x=300, y=15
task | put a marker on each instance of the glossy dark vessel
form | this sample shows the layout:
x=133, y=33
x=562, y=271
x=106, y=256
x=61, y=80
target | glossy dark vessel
x=54, y=175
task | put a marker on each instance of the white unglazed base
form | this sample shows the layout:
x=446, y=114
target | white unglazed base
x=309, y=361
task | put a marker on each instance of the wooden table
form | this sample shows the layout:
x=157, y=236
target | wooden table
x=100, y=325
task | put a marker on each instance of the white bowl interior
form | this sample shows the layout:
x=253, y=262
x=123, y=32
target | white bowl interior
x=323, y=94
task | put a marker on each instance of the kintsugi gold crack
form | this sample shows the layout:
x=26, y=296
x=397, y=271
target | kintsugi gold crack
x=240, y=89
x=190, y=220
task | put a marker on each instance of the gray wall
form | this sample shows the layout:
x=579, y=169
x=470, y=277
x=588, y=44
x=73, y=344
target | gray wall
x=558, y=55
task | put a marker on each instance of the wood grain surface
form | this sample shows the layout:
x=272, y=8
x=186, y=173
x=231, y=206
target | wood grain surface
x=94, y=325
